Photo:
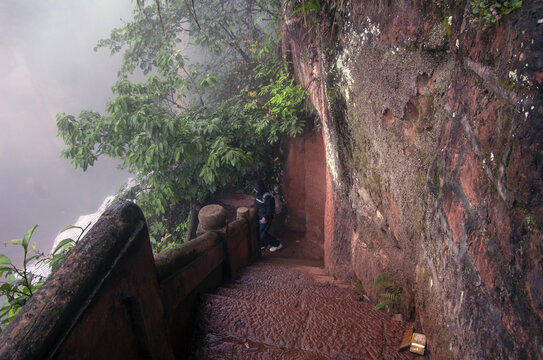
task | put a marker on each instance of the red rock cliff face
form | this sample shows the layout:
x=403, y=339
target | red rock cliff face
x=432, y=132
x=305, y=191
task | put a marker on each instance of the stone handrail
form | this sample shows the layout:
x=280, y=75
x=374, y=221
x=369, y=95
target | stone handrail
x=111, y=299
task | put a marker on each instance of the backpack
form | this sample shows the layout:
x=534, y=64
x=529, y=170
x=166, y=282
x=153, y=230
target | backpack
x=277, y=205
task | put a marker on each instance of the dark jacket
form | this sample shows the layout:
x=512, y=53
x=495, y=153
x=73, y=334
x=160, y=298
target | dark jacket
x=264, y=200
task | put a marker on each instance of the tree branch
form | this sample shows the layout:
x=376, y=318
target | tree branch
x=234, y=45
x=192, y=12
x=160, y=16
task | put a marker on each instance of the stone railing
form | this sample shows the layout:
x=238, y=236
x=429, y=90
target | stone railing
x=110, y=299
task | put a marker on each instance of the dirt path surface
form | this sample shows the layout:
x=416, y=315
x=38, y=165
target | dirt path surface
x=284, y=308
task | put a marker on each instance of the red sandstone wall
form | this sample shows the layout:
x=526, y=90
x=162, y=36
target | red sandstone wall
x=304, y=190
x=294, y=185
x=433, y=139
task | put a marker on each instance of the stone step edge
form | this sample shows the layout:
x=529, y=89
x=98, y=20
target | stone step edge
x=254, y=306
x=256, y=303
x=284, y=308
x=255, y=347
x=320, y=276
x=254, y=344
x=292, y=289
x=248, y=289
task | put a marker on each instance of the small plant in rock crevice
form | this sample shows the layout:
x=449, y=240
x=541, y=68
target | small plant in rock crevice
x=488, y=12
x=391, y=292
x=303, y=7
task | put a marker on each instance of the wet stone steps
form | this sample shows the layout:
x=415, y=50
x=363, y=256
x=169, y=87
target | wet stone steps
x=290, y=309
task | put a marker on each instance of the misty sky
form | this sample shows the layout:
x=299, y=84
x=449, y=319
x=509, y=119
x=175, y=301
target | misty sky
x=48, y=66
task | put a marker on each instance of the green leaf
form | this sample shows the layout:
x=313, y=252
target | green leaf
x=382, y=304
x=33, y=257
x=15, y=242
x=392, y=297
x=4, y=310
x=70, y=227
x=62, y=244
x=4, y=260
x=5, y=288
x=56, y=261
x=4, y=269
x=27, y=237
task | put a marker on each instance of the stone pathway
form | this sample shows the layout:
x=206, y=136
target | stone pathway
x=290, y=309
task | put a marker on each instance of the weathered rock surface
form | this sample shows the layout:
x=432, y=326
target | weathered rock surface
x=433, y=134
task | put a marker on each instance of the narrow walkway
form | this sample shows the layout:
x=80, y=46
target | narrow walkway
x=290, y=309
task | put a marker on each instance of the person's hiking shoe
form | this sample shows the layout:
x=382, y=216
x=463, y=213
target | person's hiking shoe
x=275, y=248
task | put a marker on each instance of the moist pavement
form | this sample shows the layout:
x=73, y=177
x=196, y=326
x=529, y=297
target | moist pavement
x=283, y=307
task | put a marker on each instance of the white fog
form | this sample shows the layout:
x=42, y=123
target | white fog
x=48, y=66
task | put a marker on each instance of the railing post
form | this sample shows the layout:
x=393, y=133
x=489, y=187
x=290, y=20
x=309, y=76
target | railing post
x=211, y=218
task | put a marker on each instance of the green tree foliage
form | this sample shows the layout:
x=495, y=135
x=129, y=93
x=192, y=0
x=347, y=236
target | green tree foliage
x=191, y=128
